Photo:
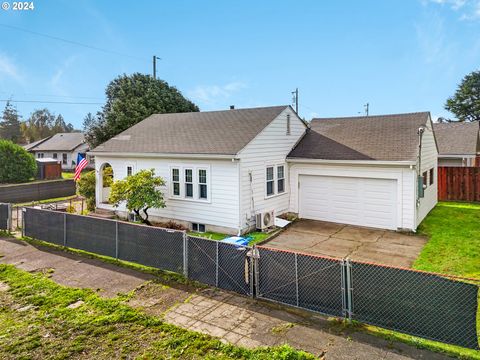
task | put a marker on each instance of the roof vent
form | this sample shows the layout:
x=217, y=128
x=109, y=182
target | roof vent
x=232, y=107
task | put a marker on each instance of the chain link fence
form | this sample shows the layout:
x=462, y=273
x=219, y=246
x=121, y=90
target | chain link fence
x=5, y=217
x=222, y=265
x=306, y=281
x=417, y=303
x=423, y=304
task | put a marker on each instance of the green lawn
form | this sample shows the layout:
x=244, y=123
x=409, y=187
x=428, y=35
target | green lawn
x=454, y=240
x=68, y=175
x=37, y=323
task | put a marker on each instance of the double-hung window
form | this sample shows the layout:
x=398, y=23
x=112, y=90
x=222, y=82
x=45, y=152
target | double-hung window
x=189, y=183
x=202, y=184
x=129, y=170
x=280, y=179
x=64, y=159
x=432, y=176
x=275, y=180
x=270, y=181
x=176, y=182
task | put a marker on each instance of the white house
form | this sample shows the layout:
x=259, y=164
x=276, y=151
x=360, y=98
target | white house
x=64, y=147
x=224, y=167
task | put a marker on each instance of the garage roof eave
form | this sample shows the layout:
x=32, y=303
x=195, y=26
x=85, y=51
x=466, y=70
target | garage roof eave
x=351, y=162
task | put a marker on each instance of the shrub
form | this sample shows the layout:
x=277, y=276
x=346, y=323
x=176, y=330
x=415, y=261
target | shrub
x=86, y=188
x=16, y=164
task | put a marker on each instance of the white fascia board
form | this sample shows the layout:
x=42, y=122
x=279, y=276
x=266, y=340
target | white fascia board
x=459, y=156
x=163, y=155
x=351, y=162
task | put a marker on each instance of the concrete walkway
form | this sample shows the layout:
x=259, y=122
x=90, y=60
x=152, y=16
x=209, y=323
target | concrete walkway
x=358, y=243
x=233, y=318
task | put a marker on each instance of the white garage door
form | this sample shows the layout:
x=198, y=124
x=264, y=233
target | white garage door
x=356, y=201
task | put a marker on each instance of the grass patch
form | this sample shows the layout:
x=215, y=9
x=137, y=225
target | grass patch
x=47, y=201
x=35, y=322
x=454, y=244
x=68, y=175
x=208, y=235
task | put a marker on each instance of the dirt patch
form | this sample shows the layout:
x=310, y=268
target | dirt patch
x=155, y=297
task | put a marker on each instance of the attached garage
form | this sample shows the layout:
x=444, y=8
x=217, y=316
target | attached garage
x=349, y=200
x=365, y=171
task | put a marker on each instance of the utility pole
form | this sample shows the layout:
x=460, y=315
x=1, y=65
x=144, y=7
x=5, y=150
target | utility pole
x=155, y=65
x=366, y=108
x=295, y=99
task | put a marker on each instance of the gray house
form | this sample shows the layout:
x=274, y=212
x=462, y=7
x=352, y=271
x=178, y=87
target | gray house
x=458, y=143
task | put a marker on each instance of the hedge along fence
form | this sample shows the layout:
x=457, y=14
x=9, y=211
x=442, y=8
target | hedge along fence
x=37, y=190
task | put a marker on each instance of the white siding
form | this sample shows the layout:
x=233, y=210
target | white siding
x=270, y=147
x=459, y=161
x=222, y=207
x=429, y=161
x=404, y=176
x=71, y=156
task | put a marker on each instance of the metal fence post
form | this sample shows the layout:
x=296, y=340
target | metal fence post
x=116, y=239
x=9, y=217
x=185, y=254
x=349, y=288
x=216, y=264
x=296, y=278
x=64, y=229
x=23, y=221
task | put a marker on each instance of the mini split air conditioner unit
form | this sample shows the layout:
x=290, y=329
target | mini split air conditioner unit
x=265, y=219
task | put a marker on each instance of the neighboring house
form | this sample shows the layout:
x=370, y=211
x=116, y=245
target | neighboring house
x=63, y=146
x=224, y=167
x=458, y=143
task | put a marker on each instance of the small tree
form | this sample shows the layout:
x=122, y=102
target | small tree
x=86, y=188
x=139, y=192
x=16, y=164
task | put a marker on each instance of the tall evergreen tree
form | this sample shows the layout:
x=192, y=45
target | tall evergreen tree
x=10, y=124
x=130, y=99
x=465, y=103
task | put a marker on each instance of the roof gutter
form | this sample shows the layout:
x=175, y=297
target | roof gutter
x=164, y=155
x=351, y=162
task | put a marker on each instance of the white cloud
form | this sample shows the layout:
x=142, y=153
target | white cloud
x=468, y=9
x=9, y=69
x=213, y=94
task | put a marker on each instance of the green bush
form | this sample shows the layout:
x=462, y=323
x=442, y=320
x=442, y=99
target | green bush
x=16, y=164
x=86, y=188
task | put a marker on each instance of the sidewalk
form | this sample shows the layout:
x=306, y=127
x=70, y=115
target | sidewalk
x=233, y=318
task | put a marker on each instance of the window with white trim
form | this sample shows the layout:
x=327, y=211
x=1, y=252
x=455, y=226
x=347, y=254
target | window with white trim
x=55, y=155
x=275, y=180
x=270, y=181
x=129, y=170
x=280, y=179
x=64, y=159
x=189, y=183
x=175, y=181
x=202, y=184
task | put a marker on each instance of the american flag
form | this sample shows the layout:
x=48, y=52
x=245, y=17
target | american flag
x=81, y=163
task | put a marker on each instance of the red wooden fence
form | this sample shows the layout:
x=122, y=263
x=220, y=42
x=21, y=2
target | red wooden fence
x=459, y=183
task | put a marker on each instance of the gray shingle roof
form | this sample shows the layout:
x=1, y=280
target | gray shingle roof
x=61, y=142
x=35, y=143
x=210, y=132
x=382, y=137
x=457, y=138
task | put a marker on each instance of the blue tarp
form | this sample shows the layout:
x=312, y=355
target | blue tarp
x=237, y=240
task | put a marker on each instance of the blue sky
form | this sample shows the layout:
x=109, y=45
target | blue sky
x=399, y=56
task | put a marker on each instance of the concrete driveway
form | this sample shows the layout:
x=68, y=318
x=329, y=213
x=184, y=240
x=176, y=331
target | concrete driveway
x=358, y=243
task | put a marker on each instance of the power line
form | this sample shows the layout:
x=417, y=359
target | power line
x=50, y=102
x=71, y=42
x=51, y=95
